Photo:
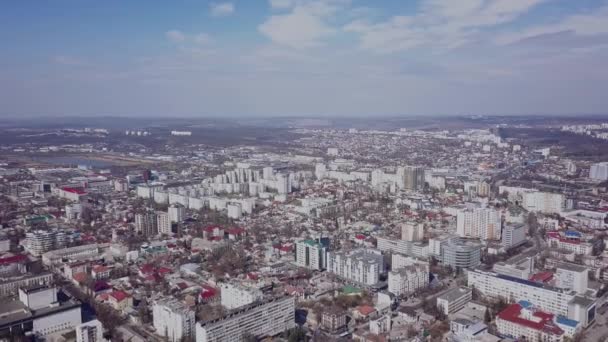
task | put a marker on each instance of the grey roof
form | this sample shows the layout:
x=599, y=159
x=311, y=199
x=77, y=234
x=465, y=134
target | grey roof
x=454, y=294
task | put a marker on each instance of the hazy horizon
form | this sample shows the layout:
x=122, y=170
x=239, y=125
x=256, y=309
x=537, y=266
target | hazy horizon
x=290, y=58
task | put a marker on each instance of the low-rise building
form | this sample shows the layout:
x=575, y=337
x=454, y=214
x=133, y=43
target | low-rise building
x=454, y=300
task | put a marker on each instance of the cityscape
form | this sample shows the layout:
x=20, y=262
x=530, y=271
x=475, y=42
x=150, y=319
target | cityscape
x=304, y=171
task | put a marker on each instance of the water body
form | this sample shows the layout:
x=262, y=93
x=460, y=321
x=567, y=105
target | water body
x=94, y=163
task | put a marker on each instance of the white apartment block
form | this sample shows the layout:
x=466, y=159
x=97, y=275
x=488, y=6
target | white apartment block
x=267, y=318
x=362, y=266
x=145, y=223
x=412, y=231
x=83, y=252
x=454, y=300
x=91, y=331
x=176, y=213
x=173, y=320
x=234, y=296
x=544, y=202
x=39, y=242
x=572, y=277
x=163, y=223
x=546, y=298
x=513, y=235
x=599, y=171
x=483, y=223
x=311, y=254
x=408, y=279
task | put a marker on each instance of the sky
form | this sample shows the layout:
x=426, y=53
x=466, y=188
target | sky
x=264, y=58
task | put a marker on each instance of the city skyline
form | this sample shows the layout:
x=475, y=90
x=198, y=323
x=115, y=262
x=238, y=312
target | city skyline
x=299, y=57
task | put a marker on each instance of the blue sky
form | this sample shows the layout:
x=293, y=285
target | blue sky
x=303, y=57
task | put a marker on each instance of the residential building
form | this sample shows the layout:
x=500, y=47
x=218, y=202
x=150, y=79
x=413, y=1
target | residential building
x=333, y=320
x=10, y=286
x=311, y=254
x=544, y=202
x=145, y=223
x=265, y=318
x=173, y=320
x=482, y=223
x=572, y=277
x=362, y=266
x=163, y=223
x=234, y=296
x=513, y=235
x=599, y=171
x=521, y=266
x=83, y=252
x=454, y=300
x=91, y=331
x=412, y=231
x=39, y=242
x=569, y=243
x=408, y=279
x=177, y=213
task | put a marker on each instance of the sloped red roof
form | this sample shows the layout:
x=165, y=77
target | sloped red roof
x=119, y=295
x=13, y=259
x=544, y=320
x=74, y=190
x=365, y=310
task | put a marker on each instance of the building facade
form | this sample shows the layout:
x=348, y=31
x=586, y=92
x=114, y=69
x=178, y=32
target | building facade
x=173, y=319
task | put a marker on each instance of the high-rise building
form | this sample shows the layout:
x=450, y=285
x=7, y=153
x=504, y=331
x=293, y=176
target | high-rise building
x=266, y=318
x=145, y=223
x=39, y=242
x=483, y=223
x=599, y=171
x=91, y=331
x=176, y=213
x=412, y=231
x=572, y=277
x=163, y=223
x=173, y=319
x=513, y=235
x=362, y=266
x=413, y=178
x=311, y=254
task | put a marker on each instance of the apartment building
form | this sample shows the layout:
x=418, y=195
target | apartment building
x=362, y=266
x=173, y=320
x=234, y=295
x=261, y=319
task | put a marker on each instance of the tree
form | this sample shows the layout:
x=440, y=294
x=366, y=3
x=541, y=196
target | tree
x=249, y=337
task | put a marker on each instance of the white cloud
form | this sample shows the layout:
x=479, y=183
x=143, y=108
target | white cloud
x=175, y=36
x=306, y=25
x=440, y=24
x=222, y=9
x=281, y=4
x=202, y=38
x=580, y=24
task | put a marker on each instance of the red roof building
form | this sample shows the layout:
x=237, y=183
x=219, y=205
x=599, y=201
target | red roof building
x=522, y=320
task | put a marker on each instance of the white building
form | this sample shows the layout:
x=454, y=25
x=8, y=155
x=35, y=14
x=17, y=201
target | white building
x=176, y=213
x=544, y=202
x=570, y=244
x=412, y=231
x=163, y=223
x=362, y=266
x=235, y=211
x=91, y=331
x=483, y=223
x=408, y=279
x=546, y=298
x=523, y=321
x=234, y=296
x=145, y=223
x=267, y=318
x=173, y=319
x=454, y=300
x=39, y=242
x=513, y=235
x=311, y=254
x=599, y=171
x=572, y=277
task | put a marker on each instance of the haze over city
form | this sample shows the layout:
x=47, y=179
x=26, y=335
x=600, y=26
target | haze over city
x=199, y=58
